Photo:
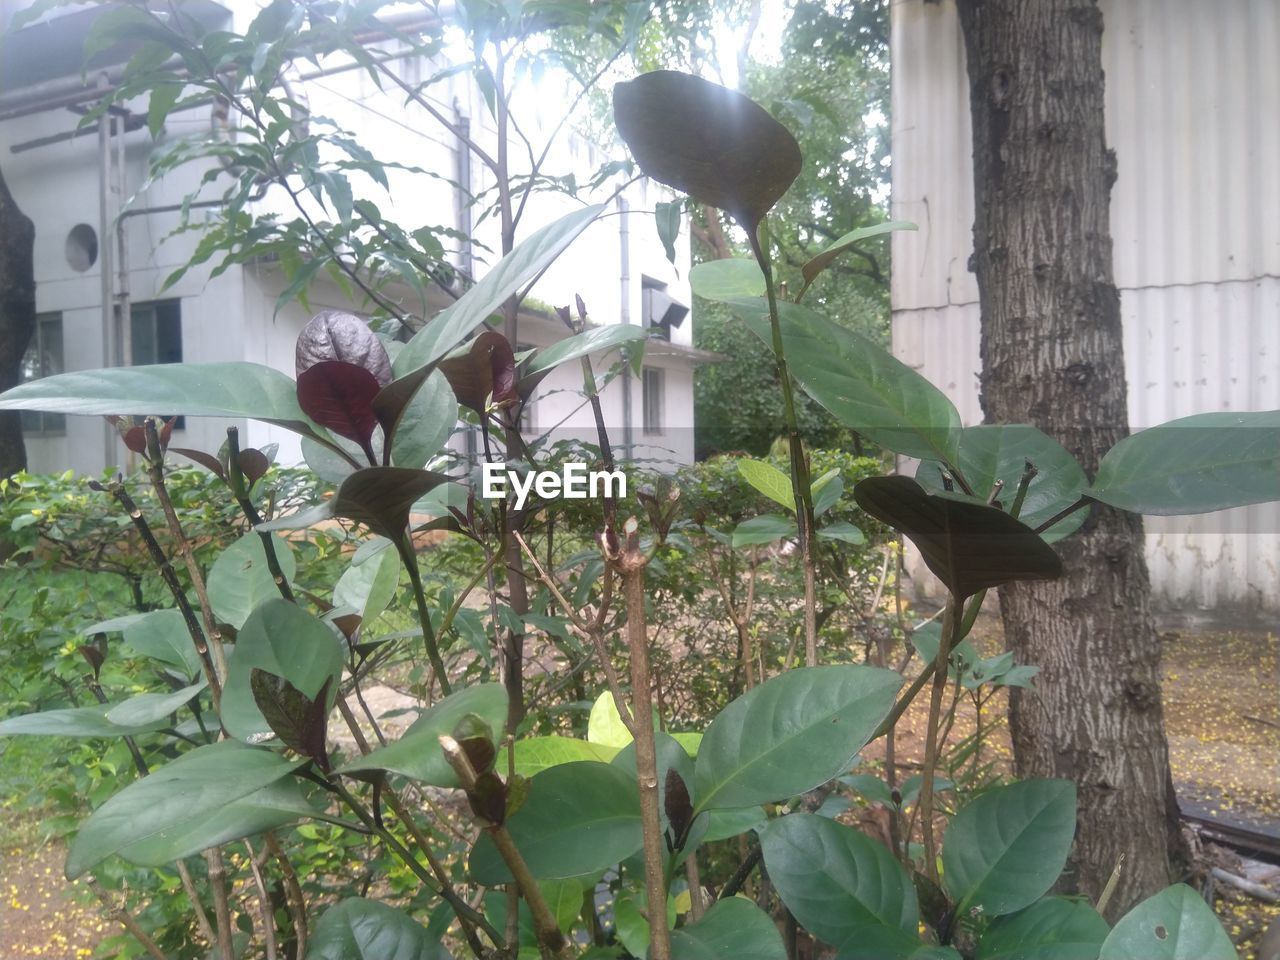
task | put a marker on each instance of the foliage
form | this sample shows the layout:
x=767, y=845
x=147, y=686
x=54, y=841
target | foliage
x=227, y=762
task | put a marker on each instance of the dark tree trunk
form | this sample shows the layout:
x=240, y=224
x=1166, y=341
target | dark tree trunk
x=1052, y=356
x=17, y=318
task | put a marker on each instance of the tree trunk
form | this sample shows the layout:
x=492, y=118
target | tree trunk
x=1052, y=356
x=17, y=318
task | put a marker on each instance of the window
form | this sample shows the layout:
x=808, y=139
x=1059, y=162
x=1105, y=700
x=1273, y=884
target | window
x=157, y=337
x=43, y=359
x=157, y=332
x=651, y=394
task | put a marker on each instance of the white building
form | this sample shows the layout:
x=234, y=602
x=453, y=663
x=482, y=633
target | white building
x=102, y=255
x=1193, y=91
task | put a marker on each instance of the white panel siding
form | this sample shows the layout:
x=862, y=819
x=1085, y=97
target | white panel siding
x=1192, y=94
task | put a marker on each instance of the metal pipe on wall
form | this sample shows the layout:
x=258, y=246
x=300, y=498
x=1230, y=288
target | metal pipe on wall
x=105, y=259
x=624, y=316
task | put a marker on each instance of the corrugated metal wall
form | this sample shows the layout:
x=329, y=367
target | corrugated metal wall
x=1193, y=112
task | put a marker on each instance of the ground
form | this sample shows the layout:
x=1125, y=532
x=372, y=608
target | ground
x=1224, y=734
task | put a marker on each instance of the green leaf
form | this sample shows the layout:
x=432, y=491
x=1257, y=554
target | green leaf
x=763, y=529
x=580, y=818
x=969, y=546
x=790, y=734
x=826, y=491
x=417, y=754
x=180, y=796
x=668, y=219
x=843, y=531
x=1175, y=924
x=359, y=929
x=240, y=579
x=535, y=754
x=508, y=276
x=713, y=143
x=72, y=722
x=163, y=97
x=605, y=726
x=862, y=385
x=824, y=259
x=234, y=389
x=163, y=636
x=1050, y=929
x=770, y=481
x=1211, y=461
x=726, y=279
x=282, y=639
x=425, y=423
x=1005, y=849
x=631, y=919
x=722, y=824
x=369, y=584
x=839, y=883
x=991, y=453
x=733, y=927
x=595, y=340
x=149, y=708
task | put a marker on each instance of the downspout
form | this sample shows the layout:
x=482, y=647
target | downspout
x=105, y=260
x=624, y=316
x=463, y=217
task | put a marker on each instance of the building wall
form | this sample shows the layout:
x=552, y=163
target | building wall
x=1192, y=90
x=234, y=317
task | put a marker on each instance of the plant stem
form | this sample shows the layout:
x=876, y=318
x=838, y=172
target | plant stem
x=236, y=480
x=221, y=904
x=631, y=565
x=264, y=902
x=295, y=902
x=546, y=929
x=950, y=636
x=410, y=559
x=126, y=919
x=800, y=481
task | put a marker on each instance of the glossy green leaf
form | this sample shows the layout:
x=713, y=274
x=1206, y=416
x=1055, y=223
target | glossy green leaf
x=827, y=491
x=829, y=255
x=233, y=389
x=1051, y=929
x=1211, y=461
x=424, y=424
x=836, y=881
x=631, y=919
x=991, y=453
x=605, y=726
x=1175, y=924
x=969, y=546
x=172, y=800
x=668, y=217
x=360, y=929
x=1006, y=849
x=508, y=276
x=417, y=754
x=535, y=754
x=711, y=142
x=722, y=824
x=769, y=480
x=282, y=639
x=148, y=708
x=72, y=722
x=579, y=818
x=163, y=636
x=369, y=584
x=725, y=279
x=733, y=927
x=844, y=531
x=595, y=340
x=888, y=947
x=862, y=385
x=763, y=529
x=790, y=734
x=240, y=578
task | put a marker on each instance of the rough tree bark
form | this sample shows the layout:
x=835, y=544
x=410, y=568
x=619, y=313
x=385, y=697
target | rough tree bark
x=1052, y=356
x=17, y=318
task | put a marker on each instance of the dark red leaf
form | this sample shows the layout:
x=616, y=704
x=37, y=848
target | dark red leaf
x=487, y=369
x=339, y=395
x=253, y=464
x=135, y=438
x=335, y=335
x=711, y=142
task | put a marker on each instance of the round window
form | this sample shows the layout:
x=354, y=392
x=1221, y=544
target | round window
x=82, y=247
